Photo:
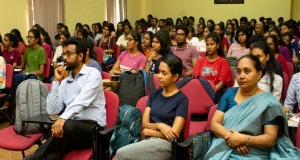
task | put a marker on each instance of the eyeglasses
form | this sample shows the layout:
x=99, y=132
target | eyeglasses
x=129, y=39
x=180, y=34
x=29, y=37
x=68, y=54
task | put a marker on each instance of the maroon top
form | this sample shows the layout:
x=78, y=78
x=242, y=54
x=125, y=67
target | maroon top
x=11, y=57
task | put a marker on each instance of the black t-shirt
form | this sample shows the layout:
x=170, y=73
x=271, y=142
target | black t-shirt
x=165, y=109
x=154, y=65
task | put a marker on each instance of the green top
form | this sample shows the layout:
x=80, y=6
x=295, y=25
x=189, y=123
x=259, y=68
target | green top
x=33, y=58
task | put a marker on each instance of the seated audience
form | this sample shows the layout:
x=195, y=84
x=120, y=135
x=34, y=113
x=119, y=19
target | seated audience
x=140, y=30
x=77, y=27
x=292, y=100
x=259, y=28
x=91, y=58
x=214, y=66
x=219, y=29
x=147, y=43
x=21, y=43
x=242, y=47
x=46, y=42
x=230, y=34
x=187, y=53
x=90, y=34
x=173, y=36
x=160, y=48
x=154, y=28
x=56, y=42
x=202, y=44
x=11, y=54
x=287, y=38
x=235, y=23
x=122, y=39
x=249, y=122
x=163, y=118
x=133, y=58
x=269, y=82
x=273, y=43
x=120, y=30
x=200, y=31
x=282, y=48
x=286, y=27
x=34, y=61
x=98, y=32
x=260, y=37
x=58, y=53
x=83, y=101
x=107, y=43
x=190, y=39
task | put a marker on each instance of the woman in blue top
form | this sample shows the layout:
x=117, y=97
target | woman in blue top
x=250, y=123
x=163, y=118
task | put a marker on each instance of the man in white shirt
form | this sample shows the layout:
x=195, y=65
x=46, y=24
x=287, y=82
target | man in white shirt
x=154, y=27
x=80, y=98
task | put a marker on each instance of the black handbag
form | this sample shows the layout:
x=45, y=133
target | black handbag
x=197, y=145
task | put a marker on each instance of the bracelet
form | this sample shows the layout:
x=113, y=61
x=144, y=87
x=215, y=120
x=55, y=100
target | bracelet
x=248, y=140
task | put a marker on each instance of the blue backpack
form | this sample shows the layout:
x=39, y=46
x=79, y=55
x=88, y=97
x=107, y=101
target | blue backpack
x=127, y=129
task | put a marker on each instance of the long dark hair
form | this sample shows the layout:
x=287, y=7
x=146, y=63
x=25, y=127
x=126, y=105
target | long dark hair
x=215, y=37
x=136, y=36
x=46, y=35
x=271, y=63
x=164, y=41
x=232, y=34
x=119, y=33
x=18, y=35
x=247, y=32
x=275, y=41
x=280, y=41
x=290, y=35
x=13, y=39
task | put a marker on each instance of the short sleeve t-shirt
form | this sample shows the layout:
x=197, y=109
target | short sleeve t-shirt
x=187, y=55
x=165, y=109
x=215, y=71
x=128, y=62
x=12, y=56
x=154, y=64
x=33, y=58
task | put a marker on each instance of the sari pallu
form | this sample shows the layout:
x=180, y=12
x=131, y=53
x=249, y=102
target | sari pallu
x=249, y=117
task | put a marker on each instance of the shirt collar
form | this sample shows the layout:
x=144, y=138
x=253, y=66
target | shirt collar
x=82, y=71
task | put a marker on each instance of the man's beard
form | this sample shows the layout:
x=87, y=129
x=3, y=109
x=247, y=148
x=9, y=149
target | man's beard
x=72, y=65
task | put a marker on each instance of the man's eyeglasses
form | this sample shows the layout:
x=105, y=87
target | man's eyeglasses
x=68, y=54
x=29, y=37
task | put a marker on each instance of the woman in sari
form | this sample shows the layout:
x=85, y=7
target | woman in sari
x=250, y=123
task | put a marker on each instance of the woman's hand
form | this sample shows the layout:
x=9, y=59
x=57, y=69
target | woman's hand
x=243, y=149
x=167, y=131
x=235, y=139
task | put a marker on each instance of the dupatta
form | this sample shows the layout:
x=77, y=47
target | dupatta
x=249, y=117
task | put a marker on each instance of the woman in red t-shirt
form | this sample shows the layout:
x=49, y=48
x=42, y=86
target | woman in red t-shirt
x=11, y=54
x=214, y=66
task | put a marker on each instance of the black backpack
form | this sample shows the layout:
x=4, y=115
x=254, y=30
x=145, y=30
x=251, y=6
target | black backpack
x=132, y=87
x=127, y=129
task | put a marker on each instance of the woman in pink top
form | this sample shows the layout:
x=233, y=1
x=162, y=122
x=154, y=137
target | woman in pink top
x=21, y=44
x=46, y=42
x=243, y=34
x=132, y=58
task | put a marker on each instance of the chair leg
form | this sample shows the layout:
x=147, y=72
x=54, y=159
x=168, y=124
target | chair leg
x=4, y=111
x=23, y=154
